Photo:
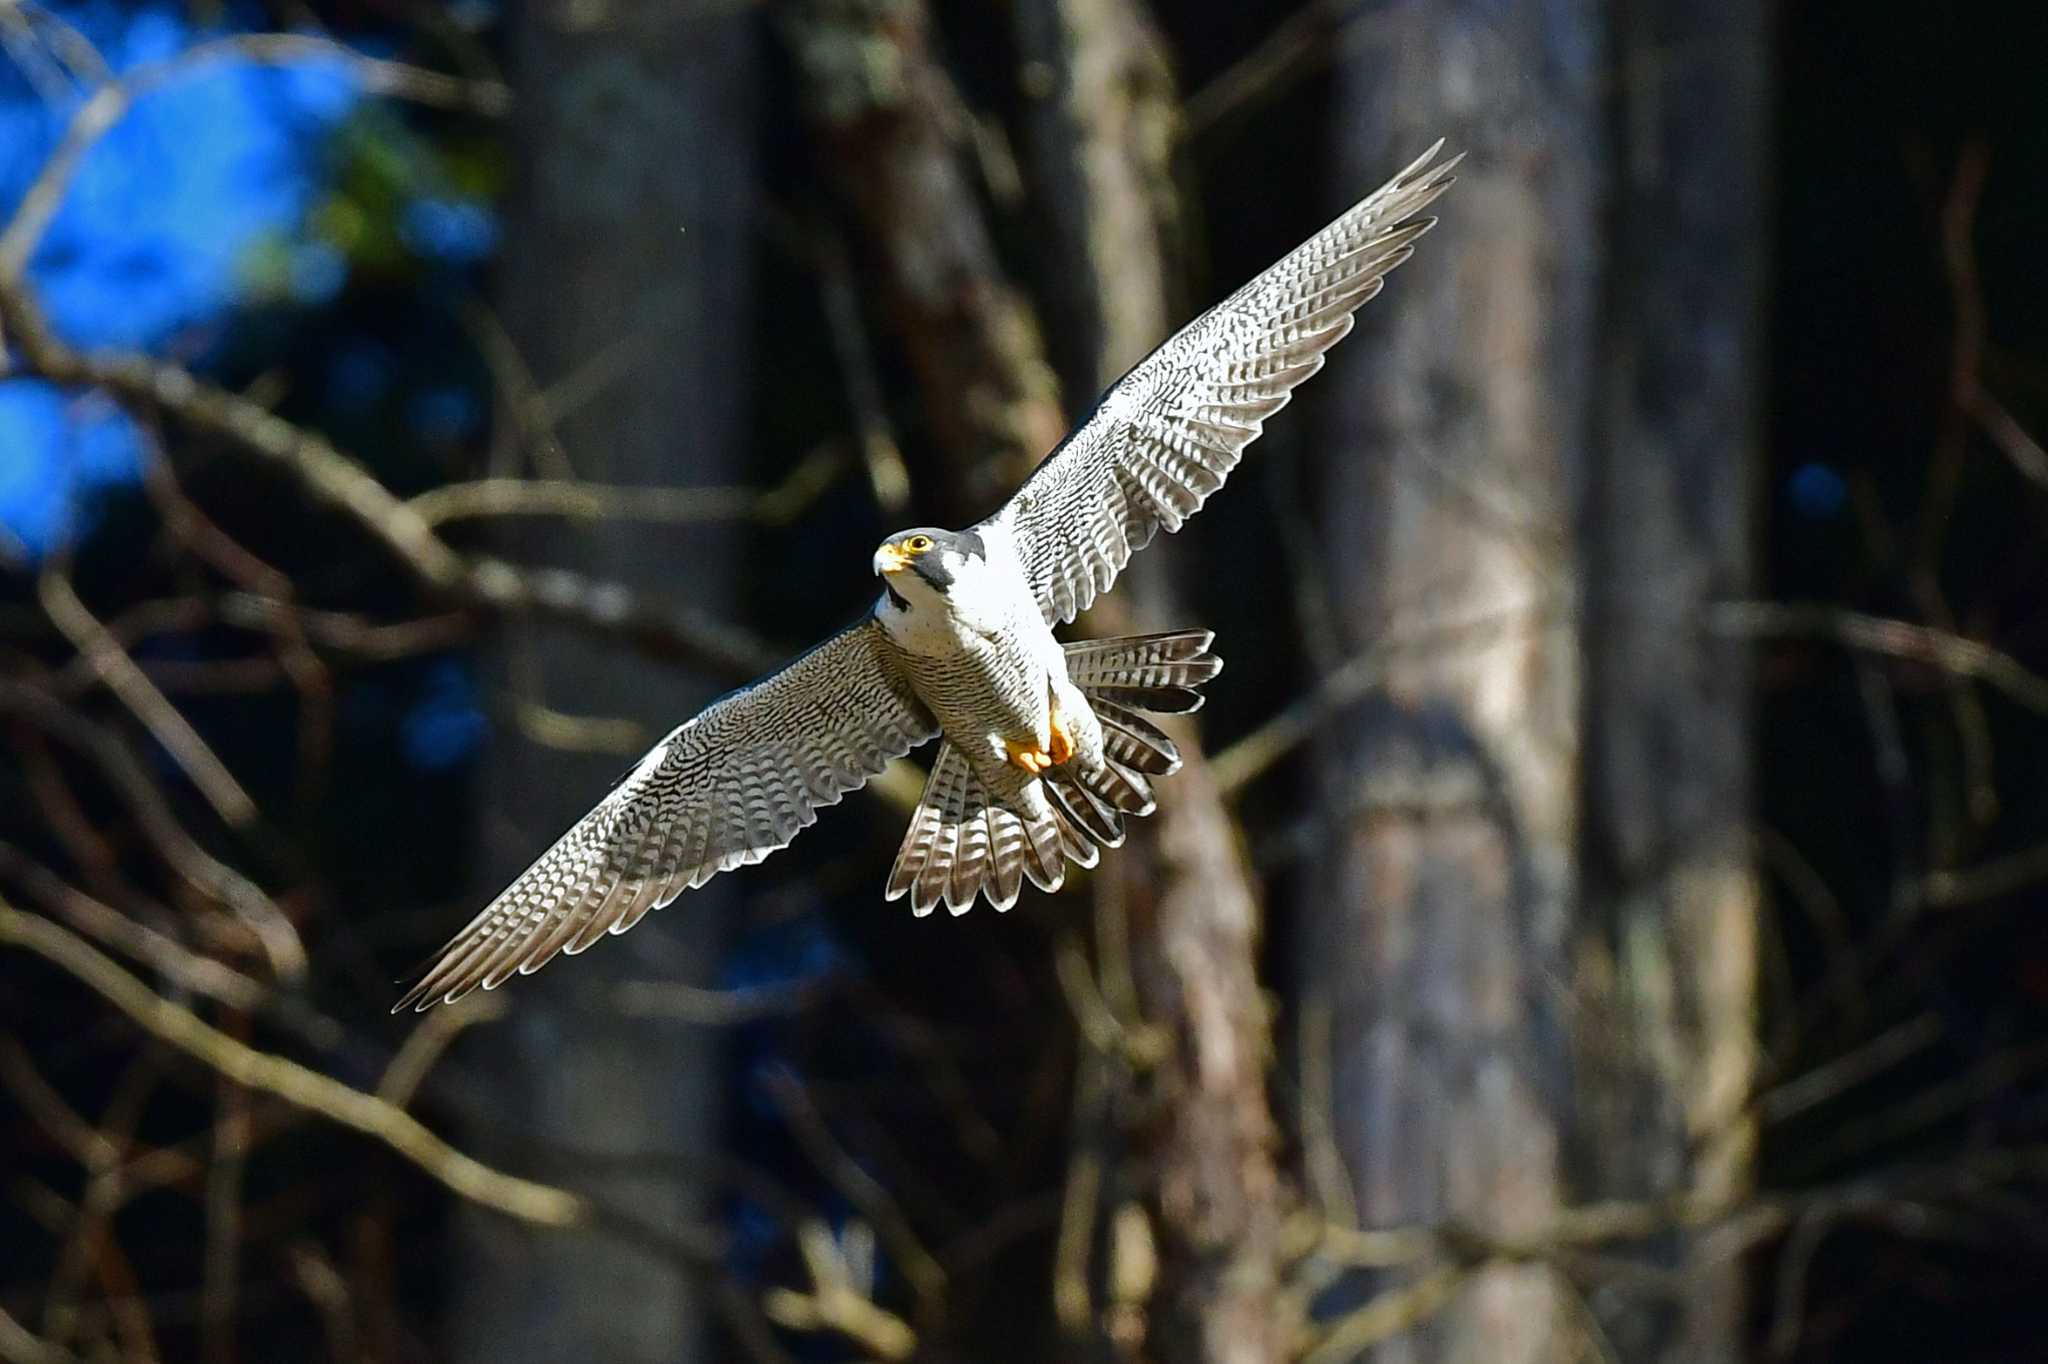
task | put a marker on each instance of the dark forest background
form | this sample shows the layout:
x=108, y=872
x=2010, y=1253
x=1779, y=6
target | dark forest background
x=1601, y=919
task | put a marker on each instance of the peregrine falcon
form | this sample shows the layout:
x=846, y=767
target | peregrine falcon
x=1045, y=746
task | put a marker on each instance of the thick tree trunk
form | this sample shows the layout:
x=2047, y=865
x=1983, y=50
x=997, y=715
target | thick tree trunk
x=1530, y=919
x=1663, y=945
x=1435, y=926
x=627, y=266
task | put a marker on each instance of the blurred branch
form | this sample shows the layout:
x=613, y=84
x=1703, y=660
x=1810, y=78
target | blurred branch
x=221, y=1252
x=291, y=648
x=838, y=1301
x=1985, y=881
x=153, y=709
x=338, y=482
x=926, y=1276
x=1387, y=1315
x=1297, y=45
x=1901, y=1197
x=199, y=869
x=2025, y=453
x=425, y=1044
x=518, y=1198
x=98, y=115
x=340, y=632
x=182, y=967
x=328, y=1291
x=895, y=138
x=600, y=501
x=19, y=1345
x=1894, y=638
x=1257, y=752
x=888, y=479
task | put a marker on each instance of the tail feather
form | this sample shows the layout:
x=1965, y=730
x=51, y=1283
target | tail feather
x=1046, y=867
x=1122, y=788
x=1177, y=659
x=1101, y=822
x=1006, y=860
x=973, y=866
x=1134, y=741
x=961, y=843
x=1169, y=700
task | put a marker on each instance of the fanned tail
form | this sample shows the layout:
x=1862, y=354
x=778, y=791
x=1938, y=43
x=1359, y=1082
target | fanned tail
x=962, y=843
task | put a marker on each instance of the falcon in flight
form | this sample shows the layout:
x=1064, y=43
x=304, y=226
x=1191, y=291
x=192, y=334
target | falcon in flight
x=1045, y=746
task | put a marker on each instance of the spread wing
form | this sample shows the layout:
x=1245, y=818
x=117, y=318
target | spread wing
x=725, y=790
x=1166, y=435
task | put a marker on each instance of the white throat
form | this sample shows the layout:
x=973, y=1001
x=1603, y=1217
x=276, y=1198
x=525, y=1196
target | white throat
x=978, y=604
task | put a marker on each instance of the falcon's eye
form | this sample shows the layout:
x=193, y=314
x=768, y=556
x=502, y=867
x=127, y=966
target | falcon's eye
x=918, y=544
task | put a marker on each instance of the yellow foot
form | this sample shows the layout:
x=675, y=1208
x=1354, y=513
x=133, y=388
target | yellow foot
x=1032, y=759
x=1062, y=740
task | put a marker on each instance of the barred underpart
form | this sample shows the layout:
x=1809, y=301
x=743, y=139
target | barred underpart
x=962, y=844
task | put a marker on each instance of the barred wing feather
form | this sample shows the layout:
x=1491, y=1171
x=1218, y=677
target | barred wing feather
x=724, y=790
x=1167, y=434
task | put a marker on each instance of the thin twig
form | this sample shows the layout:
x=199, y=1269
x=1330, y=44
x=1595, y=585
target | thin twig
x=342, y=484
x=425, y=1044
x=926, y=1275
x=838, y=1300
x=518, y=1198
x=1388, y=1315
x=199, y=869
x=1257, y=752
x=148, y=705
x=1893, y=638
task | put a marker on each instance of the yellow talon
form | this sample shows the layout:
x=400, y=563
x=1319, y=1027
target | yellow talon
x=1062, y=740
x=1032, y=759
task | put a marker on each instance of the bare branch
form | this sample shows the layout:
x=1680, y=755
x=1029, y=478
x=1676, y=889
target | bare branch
x=151, y=707
x=1894, y=638
x=345, y=486
x=838, y=1301
x=492, y=497
x=425, y=1044
x=19, y=1345
x=295, y=1084
x=199, y=869
x=1388, y=1315
x=1257, y=752
x=927, y=1277
x=186, y=969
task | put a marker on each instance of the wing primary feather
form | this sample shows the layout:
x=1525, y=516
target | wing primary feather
x=726, y=789
x=1164, y=438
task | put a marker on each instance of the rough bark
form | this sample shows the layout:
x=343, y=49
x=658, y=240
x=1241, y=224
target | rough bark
x=1178, y=895
x=1532, y=920
x=894, y=136
x=630, y=245
x=1663, y=945
x=1435, y=923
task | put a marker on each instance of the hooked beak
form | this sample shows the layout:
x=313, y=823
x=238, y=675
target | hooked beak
x=890, y=559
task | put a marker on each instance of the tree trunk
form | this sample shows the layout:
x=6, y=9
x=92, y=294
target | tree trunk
x=1435, y=927
x=1664, y=943
x=1530, y=919
x=627, y=276
x=1177, y=908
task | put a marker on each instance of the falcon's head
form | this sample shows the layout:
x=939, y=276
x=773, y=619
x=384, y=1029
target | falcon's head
x=927, y=563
